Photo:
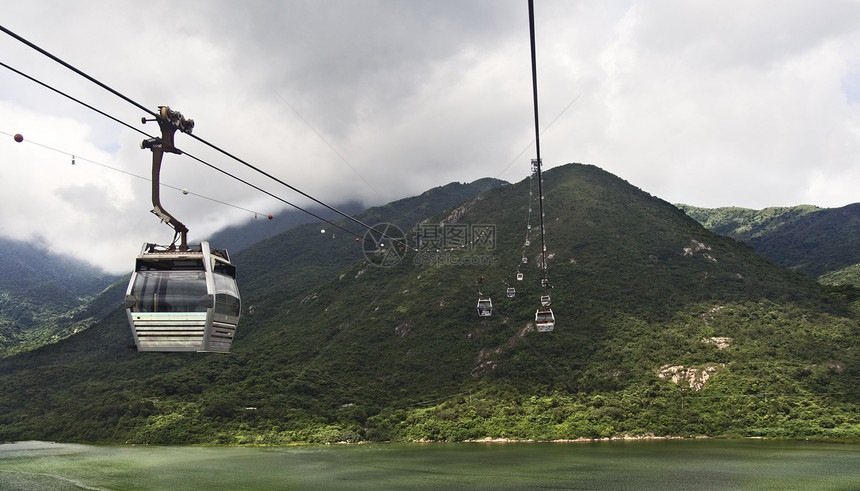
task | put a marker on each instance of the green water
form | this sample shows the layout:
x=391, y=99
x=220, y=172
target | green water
x=658, y=464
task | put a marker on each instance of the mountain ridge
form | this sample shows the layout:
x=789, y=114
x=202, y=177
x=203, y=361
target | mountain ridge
x=43, y=306
x=42, y=295
x=812, y=240
x=663, y=328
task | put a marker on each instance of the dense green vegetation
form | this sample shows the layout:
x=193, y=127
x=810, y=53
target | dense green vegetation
x=290, y=263
x=641, y=292
x=822, y=243
x=848, y=276
x=45, y=297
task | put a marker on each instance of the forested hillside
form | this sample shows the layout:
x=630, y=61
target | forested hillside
x=663, y=328
x=290, y=263
x=42, y=295
x=822, y=243
x=46, y=297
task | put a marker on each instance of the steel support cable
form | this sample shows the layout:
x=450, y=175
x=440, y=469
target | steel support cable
x=43, y=84
x=254, y=186
x=299, y=191
x=214, y=147
x=132, y=174
x=498, y=311
x=537, y=139
x=528, y=222
x=88, y=106
x=79, y=72
x=308, y=124
x=542, y=132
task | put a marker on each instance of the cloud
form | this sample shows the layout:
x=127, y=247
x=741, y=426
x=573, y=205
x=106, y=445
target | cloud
x=721, y=106
x=741, y=103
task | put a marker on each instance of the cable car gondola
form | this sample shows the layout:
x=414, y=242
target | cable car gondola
x=183, y=300
x=545, y=300
x=511, y=292
x=545, y=320
x=485, y=307
x=180, y=298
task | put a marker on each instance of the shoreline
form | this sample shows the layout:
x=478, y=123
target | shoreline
x=619, y=438
x=583, y=439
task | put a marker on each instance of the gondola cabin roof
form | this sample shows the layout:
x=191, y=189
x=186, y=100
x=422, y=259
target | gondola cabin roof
x=158, y=258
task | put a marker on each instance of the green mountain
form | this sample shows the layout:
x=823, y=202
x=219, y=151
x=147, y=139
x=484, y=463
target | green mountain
x=823, y=243
x=663, y=328
x=290, y=263
x=45, y=297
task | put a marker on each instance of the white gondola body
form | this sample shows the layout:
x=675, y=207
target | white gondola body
x=544, y=320
x=485, y=307
x=183, y=300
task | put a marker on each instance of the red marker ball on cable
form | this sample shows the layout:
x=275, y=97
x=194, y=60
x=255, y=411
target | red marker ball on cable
x=19, y=137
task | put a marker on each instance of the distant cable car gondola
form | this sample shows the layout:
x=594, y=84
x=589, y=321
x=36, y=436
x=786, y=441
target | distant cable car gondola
x=485, y=307
x=183, y=300
x=511, y=292
x=519, y=277
x=545, y=300
x=544, y=320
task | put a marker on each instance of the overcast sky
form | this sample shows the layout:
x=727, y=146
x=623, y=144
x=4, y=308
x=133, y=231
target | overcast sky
x=730, y=103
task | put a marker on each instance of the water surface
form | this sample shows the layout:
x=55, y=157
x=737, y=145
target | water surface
x=653, y=464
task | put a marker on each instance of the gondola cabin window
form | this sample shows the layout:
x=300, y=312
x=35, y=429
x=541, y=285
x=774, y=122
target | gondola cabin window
x=170, y=291
x=174, y=285
x=227, y=304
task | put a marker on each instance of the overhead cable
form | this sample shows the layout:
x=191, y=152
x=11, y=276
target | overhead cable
x=543, y=256
x=183, y=190
x=88, y=106
x=201, y=140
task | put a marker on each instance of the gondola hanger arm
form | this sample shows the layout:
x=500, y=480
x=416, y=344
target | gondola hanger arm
x=168, y=121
